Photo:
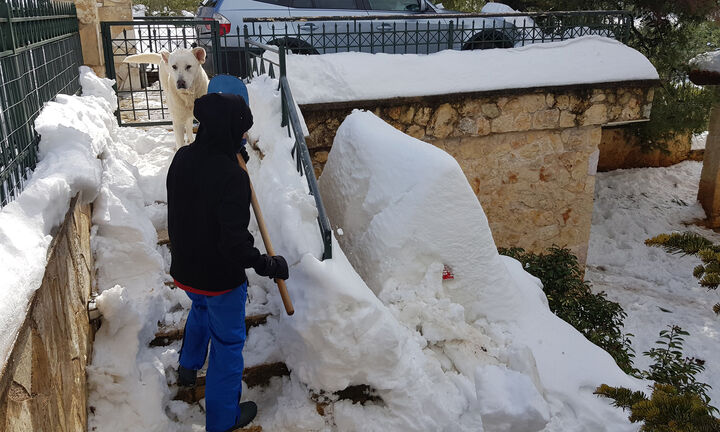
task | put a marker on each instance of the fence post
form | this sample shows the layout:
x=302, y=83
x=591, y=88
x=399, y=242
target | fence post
x=450, y=34
x=246, y=36
x=215, y=26
x=283, y=75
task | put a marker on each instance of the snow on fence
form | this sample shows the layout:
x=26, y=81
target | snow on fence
x=39, y=58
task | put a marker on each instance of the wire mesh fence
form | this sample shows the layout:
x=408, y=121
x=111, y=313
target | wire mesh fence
x=40, y=54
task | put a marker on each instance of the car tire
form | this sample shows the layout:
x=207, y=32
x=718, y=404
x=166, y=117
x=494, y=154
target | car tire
x=296, y=46
x=489, y=40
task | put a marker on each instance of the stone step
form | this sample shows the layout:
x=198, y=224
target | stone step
x=254, y=376
x=165, y=337
x=163, y=237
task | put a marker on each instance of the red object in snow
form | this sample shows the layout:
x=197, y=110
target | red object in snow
x=447, y=273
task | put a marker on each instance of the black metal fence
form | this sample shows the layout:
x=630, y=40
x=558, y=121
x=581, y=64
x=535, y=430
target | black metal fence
x=260, y=64
x=141, y=99
x=40, y=55
x=423, y=33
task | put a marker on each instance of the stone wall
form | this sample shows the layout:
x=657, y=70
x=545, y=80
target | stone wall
x=620, y=148
x=43, y=385
x=530, y=155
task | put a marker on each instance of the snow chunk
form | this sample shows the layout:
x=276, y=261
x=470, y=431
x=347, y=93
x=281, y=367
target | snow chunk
x=93, y=85
x=509, y=401
x=362, y=76
x=406, y=210
x=391, y=205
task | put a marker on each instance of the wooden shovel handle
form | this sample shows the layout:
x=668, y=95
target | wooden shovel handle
x=266, y=239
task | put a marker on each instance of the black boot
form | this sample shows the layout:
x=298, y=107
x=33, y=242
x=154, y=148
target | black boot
x=248, y=411
x=186, y=377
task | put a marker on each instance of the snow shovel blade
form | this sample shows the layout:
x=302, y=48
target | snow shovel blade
x=228, y=84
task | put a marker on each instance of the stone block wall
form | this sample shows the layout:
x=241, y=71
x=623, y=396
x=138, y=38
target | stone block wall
x=530, y=155
x=620, y=148
x=43, y=385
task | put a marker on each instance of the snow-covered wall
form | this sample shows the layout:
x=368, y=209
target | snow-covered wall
x=361, y=76
x=529, y=156
x=74, y=131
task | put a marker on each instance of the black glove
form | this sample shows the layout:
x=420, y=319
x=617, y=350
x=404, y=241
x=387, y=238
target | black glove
x=243, y=152
x=274, y=267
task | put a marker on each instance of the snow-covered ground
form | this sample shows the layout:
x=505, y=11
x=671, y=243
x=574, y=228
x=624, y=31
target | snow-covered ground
x=654, y=287
x=699, y=140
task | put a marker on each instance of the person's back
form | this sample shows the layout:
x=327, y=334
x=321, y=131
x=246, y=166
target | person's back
x=208, y=217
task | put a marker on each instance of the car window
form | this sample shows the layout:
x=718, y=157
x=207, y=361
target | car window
x=301, y=4
x=276, y=2
x=335, y=4
x=395, y=5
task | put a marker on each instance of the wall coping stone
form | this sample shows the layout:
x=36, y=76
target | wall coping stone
x=453, y=97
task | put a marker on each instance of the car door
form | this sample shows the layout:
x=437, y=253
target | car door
x=320, y=30
x=419, y=31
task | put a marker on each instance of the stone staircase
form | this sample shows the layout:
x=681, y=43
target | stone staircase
x=257, y=373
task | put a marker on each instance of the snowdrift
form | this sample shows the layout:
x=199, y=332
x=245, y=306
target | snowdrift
x=405, y=210
x=74, y=131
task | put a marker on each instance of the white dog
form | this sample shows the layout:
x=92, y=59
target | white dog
x=184, y=80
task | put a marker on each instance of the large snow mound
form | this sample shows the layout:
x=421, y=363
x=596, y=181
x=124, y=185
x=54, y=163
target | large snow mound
x=406, y=210
x=361, y=76
x=74, y=130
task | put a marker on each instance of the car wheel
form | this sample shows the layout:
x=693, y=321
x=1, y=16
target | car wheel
x=488, y=40
x=296, y=46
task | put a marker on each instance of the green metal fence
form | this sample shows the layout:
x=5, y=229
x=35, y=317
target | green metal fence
x=258, y=64
x=40, y=55
x=141, y=98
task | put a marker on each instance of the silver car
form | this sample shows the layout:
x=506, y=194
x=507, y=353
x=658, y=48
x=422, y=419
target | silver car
x=323, y=26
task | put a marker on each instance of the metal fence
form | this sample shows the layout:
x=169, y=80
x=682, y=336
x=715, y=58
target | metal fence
x=40, y=55
x=423, y=33
x=259, y=64
x=141, y=98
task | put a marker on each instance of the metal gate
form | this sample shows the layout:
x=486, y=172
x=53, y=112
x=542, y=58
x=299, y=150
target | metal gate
x=141, y=99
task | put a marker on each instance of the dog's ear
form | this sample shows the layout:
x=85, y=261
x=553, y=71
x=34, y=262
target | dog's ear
x=165, y=55
x=199, y=54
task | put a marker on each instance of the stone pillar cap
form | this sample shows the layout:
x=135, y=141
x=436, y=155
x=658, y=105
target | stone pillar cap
x=705, y=68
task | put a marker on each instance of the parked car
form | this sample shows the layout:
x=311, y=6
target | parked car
x=323, y=26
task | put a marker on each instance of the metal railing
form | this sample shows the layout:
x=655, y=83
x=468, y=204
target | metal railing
x=259, y=64
x=40, y=56
x=425, y=33
x=141, y=98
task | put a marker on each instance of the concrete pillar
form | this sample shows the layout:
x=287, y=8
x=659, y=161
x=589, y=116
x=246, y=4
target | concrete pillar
x=89, y=23
x=709, y=190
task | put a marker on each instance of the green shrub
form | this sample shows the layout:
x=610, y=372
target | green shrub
x=570, y=298
x=689, y=243
x=678, y=403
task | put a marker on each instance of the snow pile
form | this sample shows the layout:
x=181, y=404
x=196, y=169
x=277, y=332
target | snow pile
x=490, y=328
x=74, y=131
x=654, y=287
x=127, y=381
x=362, y=76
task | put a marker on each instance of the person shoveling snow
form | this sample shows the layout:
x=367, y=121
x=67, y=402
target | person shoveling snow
x=208, y=215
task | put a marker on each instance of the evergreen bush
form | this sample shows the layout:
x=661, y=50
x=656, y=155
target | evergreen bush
x=678, y=402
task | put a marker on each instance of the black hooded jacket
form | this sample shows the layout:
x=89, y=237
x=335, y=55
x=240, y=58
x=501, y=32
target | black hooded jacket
x=209, y=200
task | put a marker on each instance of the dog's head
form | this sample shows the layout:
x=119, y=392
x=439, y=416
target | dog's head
x=184, y=65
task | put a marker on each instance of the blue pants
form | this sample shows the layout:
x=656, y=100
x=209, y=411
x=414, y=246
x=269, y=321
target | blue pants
x=222, y=320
